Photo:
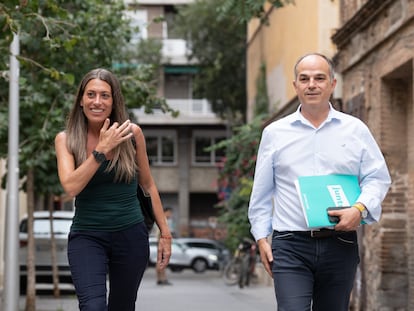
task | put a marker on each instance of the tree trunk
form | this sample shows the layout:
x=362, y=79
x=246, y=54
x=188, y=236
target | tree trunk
x=55, y=272
x=31, y=260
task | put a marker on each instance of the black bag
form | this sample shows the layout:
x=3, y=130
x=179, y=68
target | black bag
x=146, y=207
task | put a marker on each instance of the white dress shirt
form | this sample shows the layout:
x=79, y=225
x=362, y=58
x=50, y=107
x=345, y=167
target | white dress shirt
x=292, y=147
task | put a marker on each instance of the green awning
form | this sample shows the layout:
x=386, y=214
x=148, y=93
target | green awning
x=181, y=69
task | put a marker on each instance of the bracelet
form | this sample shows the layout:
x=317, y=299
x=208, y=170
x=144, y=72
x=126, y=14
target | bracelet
x=167, y=237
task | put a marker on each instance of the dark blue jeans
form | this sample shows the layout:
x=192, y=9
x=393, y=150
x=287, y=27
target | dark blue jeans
x=314, y=273
x=122, y=255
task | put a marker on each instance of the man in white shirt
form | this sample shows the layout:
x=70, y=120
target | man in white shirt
x=313, y=267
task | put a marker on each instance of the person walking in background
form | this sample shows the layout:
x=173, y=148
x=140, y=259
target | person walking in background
x=168, y=212
x=313, y=269
x=101, y=156
x=161, y=271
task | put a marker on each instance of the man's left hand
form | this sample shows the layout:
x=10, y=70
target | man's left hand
x=349, y=219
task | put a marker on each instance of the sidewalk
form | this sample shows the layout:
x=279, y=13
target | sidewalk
x=190, y=291
x=67, y=302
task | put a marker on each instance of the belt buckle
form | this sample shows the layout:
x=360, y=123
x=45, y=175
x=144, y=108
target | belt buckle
x=314, y=233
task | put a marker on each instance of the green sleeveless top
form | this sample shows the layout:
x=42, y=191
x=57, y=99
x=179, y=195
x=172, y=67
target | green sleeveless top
x=105, y=205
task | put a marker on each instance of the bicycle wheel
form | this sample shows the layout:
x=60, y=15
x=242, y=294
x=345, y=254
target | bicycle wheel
x=231, y=273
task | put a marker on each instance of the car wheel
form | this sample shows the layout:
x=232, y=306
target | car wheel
x=199, y=265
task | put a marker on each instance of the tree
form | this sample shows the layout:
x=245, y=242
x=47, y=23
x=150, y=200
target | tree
x=236, y=178
x=60, y=41
x=262, y=99
x=216, y=32
x=248, y=9
x=237, y=169
x=218, y=46
x=58, y=45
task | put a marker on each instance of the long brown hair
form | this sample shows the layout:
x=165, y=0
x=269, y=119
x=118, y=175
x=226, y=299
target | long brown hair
x=77, y=127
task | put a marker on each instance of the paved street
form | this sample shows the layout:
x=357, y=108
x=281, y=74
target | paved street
x=190, y=291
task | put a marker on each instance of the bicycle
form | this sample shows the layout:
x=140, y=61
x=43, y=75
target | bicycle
x=240, y=269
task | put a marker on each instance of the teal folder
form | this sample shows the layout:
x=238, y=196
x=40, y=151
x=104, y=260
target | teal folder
x=317, y=193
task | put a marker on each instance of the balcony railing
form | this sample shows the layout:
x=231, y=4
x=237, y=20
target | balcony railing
x=175, y=51
x=191, y=106
x=190, y=111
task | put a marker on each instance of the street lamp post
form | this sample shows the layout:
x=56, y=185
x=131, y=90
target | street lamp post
x=11, y=286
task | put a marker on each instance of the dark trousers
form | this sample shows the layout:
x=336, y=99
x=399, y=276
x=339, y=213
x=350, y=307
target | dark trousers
x=314, y=273
x=122, y=255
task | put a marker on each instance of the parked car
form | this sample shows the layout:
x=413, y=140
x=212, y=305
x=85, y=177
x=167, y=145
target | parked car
x=193, y=253
x=62, y=221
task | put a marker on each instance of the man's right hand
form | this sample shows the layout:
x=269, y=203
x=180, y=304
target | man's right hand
x=266, y=255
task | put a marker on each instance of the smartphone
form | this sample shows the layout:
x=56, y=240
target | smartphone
x=335, y=219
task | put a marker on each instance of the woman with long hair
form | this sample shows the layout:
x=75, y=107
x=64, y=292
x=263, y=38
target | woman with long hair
x=101, y=158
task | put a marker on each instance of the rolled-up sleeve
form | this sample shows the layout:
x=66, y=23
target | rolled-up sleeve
x=375, y=179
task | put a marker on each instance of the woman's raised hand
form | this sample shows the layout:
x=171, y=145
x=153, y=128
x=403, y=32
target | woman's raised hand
x=112, y=136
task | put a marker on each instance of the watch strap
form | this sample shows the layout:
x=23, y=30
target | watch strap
x=99, y=156
x=362, y=209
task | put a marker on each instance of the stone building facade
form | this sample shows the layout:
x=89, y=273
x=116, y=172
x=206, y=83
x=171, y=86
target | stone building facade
x=375, y=44
x=186, y=175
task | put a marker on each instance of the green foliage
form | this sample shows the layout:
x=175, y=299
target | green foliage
x=59, y=42
x=149, y=52
x=139, y=76
x=236, y=178
x=223, y=63
x=218, y=45
x=248, y=9
x=262, y=100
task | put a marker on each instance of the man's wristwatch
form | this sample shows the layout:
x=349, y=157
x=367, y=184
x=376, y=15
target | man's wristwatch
x=362, y=209
x=99, y=156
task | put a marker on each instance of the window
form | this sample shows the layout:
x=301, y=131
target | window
x=170, y=14
x=201, y=245
x=161, y=148
x=204, y=140
x=177, y=86
x=138, y=20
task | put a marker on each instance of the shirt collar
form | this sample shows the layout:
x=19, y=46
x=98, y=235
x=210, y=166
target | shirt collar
x=332, y=115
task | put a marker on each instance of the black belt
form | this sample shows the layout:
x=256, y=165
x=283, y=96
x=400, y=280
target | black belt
x=321, y=233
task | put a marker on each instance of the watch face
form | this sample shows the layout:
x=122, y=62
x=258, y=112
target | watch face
x=364, y=213
x=99, y=156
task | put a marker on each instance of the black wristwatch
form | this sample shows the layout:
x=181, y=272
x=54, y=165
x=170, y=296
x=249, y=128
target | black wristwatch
x=99, y=156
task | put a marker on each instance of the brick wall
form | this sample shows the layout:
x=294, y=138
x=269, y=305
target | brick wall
x=376, y=62
x=349, y=7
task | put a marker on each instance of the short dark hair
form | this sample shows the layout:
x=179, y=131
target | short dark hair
x=326, y=58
